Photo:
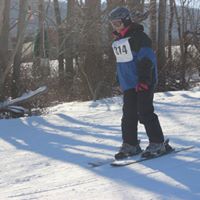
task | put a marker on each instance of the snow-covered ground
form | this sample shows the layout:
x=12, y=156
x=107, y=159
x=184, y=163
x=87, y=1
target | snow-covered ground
x=46, y=157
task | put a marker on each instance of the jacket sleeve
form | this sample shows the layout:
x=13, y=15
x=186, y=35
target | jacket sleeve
x=144, y=69
x=146, y=61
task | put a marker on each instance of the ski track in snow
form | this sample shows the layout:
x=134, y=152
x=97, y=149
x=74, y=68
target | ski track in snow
x=46, y=157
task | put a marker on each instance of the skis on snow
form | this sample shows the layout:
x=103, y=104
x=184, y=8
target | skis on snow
x=129, y=161
x=135, y=159
x=12, y=105
x=99, y=163
x=24, y=97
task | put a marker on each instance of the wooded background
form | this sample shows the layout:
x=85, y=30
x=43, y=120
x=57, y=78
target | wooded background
x=66, y=45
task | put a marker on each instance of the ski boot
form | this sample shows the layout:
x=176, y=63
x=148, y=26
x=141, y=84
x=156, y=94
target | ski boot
x=156, y=149
x=127, y=150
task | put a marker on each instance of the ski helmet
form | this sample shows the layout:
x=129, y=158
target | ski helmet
x=120, y=13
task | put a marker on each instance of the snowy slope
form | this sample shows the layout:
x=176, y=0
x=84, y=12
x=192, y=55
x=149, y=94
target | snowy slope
x=47, y=157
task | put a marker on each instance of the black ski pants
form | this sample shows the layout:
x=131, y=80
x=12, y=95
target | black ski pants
x=138, y=106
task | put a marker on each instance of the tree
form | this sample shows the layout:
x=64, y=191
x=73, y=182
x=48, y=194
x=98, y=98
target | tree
x=4, y=35
x=7, y=57
x=170, y=26
x=69, y=43
x=2, y=6
x=136, y=5
x=23, y=7
x=153, y=23
x=181, y=42
x=115, y=3
x=161, y=44
x=60, y=32
x=92, y=69
x=41, y=63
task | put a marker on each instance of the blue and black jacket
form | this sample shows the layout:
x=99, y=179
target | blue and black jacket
x=136, y=60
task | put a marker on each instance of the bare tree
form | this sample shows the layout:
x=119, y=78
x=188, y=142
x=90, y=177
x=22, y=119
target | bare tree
x=92, y=69
x=23, y=7
x=161, y=43
x=41, y=20
x=116, y=3
x=8, y=56
x=69, y=43
x=4, y=35
x=153, y=22
x=181, y=42
x=136, y=5
x=2, y=6
x=170, y=26
x=41, y=62
x=60, y=32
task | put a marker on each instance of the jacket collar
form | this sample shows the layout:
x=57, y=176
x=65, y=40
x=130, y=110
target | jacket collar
x=133, y=27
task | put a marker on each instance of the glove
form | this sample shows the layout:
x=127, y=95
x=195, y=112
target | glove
x=140, y=87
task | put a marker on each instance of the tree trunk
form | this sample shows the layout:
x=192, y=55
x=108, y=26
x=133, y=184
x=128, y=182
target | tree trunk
x=181, y=41
x=170, y=31
x=116, y=3
x=153, y=23
x=23, y=5
x=93, y=49
x=185, y=45
x=69, y=44
x=4, y=34
x=2, y=7
x=136, y=5
x=60, y=42
x=41, y=68
x=41, y=29
x=161, y=44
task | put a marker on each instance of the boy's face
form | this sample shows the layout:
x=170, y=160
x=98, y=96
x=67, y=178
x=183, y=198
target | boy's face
x=117, y=25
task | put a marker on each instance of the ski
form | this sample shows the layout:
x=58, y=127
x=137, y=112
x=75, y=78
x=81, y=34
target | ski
x=99, y=163
x=133, y=160
x=10, y=107
x=23, y=98
x=16, y=109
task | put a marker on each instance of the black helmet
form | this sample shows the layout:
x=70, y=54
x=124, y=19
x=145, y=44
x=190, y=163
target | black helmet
x=120, y=13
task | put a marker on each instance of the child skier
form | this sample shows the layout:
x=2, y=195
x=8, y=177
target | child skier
x=137, y=74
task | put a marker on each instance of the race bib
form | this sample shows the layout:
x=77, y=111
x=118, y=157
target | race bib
x=122, y=50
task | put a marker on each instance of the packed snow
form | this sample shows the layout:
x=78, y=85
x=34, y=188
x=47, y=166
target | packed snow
x=46, y=157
